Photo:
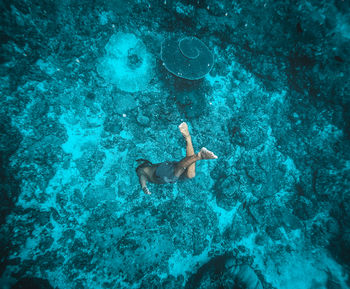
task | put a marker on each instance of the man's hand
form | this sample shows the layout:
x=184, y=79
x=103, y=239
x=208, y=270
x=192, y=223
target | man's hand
x=146, y=190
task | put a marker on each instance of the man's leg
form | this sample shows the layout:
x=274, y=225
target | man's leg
x=191, y=170
x=182, y=165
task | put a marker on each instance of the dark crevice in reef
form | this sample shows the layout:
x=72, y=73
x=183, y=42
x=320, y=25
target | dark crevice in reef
x=32, y=283
x=226, y=271
x=10, y=139
x=346, y=117
x=216, y=265
x=339, y=245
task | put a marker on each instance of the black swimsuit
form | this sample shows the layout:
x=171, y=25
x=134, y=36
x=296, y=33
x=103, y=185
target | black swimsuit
x=165, y=172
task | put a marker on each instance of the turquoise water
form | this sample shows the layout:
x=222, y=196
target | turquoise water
x=89, y=87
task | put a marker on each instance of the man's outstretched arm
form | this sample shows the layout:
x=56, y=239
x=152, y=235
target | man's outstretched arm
x=143, y=180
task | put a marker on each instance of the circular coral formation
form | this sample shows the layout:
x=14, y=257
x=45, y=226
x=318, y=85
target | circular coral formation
x=188, y=58
x=127, y=64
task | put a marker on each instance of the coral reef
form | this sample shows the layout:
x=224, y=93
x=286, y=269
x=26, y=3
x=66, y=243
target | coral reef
x=187, y=58
x=127, y=64
x=85, y=94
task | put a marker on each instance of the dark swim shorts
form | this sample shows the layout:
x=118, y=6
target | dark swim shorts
x=165, y=172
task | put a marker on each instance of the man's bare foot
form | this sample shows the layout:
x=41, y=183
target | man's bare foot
x=184, y=130
x=205, y=154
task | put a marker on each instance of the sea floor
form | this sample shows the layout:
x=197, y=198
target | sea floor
x=85, y=93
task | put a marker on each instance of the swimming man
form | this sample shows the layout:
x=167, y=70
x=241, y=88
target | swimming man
x=170, y=172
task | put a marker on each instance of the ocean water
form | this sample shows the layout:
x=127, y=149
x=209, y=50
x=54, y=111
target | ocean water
x=89, y=87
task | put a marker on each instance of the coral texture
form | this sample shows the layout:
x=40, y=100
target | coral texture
x=187, y=58
x=127, y=63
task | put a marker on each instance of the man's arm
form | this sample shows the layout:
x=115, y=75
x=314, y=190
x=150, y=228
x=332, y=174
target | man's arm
x=142, y=180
